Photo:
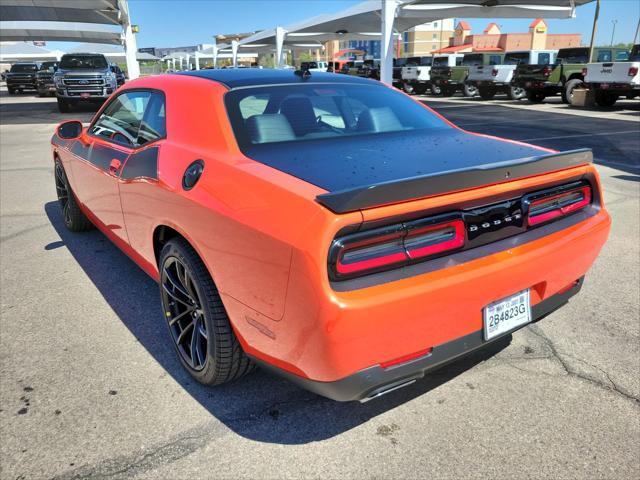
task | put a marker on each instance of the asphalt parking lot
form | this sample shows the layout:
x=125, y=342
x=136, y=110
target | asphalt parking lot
x=91, y=387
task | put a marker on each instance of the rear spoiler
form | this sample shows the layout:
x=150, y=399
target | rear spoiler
x=395, y=191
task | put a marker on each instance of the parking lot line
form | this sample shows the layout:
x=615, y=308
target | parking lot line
x=626, y=132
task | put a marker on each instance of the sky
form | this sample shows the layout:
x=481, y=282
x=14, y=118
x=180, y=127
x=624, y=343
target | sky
x=175, y=23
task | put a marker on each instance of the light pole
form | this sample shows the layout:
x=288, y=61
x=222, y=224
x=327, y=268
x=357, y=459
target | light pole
x=613, y=32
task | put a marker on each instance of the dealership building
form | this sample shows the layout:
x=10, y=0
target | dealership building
x=493, y=40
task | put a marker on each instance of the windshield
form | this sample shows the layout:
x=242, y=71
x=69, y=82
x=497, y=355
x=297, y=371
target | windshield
x=24, y=68
x=635, y=54
x=471, y=60
x=49, y=66
x=440, y=61
x=86, y=62
x=573, y=55
x=516, y=58
x=296, y=113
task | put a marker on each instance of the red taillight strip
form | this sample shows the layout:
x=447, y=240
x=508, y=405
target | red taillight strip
x=402, y=244
x=456, y=239
x=560, y=210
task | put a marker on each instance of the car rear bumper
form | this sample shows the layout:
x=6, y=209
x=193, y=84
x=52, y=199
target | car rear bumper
x=375, y=381
x=331, y=332
x=623, y=88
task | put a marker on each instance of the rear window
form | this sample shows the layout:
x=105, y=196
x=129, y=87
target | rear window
x=519, y=58
x=573, y=55
x=89, y=62
x=471, y=60
x=635, y=54
x=440, y=61
x=23, y=68
x=295, y=113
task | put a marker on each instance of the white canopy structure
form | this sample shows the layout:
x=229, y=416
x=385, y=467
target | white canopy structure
x=93, y=21
x=383, y=19
x=27, y=52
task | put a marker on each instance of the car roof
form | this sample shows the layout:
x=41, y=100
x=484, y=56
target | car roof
x=247, y=77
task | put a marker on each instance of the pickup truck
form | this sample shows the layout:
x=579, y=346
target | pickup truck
x=83, y=77
x=44, y=79
x=611, y=80
x=22, y=76
x=369, y=69
x=416, y=75
x=314, y=66
x=562, y=76
x=451, y=79
x=490, y=80
x=398, y=64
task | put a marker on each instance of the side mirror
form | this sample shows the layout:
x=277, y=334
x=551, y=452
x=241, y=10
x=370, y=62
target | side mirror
x=69, y=130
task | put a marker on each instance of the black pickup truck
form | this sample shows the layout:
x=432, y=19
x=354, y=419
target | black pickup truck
x=22, y=76
x=44, y=79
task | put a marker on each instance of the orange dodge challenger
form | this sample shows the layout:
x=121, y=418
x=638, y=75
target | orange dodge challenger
x=327, y=227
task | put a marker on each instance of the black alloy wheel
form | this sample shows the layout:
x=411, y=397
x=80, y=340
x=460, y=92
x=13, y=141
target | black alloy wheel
x=184, y=313
x=74, y=219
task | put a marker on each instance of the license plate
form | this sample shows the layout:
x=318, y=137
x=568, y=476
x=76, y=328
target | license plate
x=85, y=95
x=507, y=314
x=604, y=86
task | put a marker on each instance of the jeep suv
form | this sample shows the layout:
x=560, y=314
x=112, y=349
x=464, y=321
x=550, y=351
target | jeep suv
x=451, y=79
x=83, y=77
x=563, y=76
x=22, y=76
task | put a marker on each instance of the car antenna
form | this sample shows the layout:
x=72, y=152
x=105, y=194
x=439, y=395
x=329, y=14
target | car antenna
x=303, y=73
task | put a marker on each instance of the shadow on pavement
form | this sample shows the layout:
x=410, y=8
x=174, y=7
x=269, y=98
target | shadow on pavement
x=27, y=108
x=260, y=406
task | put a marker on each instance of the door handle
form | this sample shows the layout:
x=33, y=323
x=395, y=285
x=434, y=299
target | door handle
x=114, y=166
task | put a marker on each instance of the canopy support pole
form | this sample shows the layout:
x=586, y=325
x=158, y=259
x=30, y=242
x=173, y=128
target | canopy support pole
x=215, y=56
x=129, y=43
x=234, y=52
x=280, y=34
x=386, y=40
x=196, y=57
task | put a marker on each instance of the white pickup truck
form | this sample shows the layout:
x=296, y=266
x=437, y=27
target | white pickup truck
x=611, y=80
x=416, y=74
x=492, y=79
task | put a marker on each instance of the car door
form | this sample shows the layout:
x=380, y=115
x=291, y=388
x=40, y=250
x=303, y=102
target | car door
x=101, y=152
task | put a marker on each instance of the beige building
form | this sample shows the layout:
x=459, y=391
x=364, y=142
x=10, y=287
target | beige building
x=493, y=40
x=426, y=38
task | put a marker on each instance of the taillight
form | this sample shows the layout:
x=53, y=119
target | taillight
x=546, y=71
x=633, y=71
x=394, y=246
x=584, y=71
x=494, y=72
x=550, y=207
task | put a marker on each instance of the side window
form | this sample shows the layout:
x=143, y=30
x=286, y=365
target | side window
x=494, y=60
x=544, y=58
x=153, y=125
x=458, y=61
x=121, y=119
x=253, y=105
x=604, y=56
x=326, y=110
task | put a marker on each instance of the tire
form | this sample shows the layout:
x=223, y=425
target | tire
x=516, y=93
x=420, y=89
x=435, y=89
x=63, y=107
x=567, y=91
x=407, y=88
x=605, y=99
x=74, y=219
x=469, y=90
x=487, y=93
x=210, y=351
x=535, y=96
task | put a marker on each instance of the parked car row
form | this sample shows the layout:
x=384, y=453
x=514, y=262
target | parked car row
x=76, y=77
x=534, y=74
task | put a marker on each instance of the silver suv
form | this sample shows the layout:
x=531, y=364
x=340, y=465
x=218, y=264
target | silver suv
x=83, y=77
